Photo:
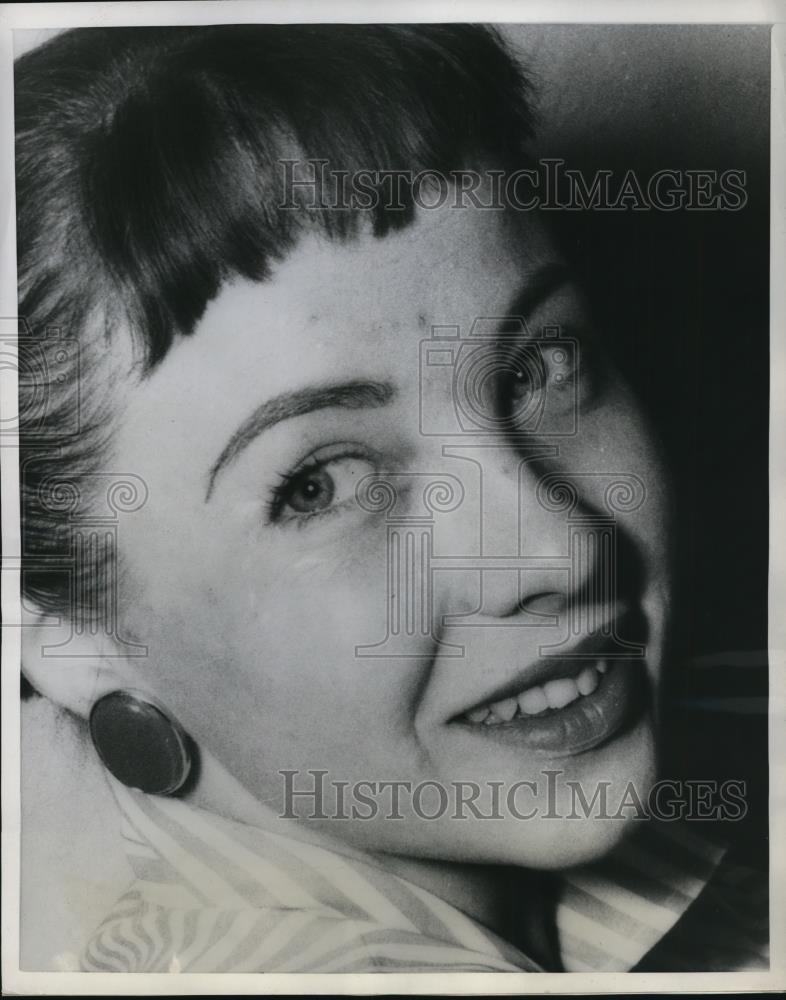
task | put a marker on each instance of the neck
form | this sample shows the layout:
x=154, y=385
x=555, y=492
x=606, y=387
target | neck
x=515, y=903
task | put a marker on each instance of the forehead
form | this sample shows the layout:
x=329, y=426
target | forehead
x=330, y=311
x=448, y=266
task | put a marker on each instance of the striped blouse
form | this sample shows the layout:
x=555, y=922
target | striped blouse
x=214, y=895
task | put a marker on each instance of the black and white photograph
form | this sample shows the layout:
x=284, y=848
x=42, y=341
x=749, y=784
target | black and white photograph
x=389, y=448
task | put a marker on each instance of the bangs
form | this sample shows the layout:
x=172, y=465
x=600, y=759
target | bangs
x=180, y=166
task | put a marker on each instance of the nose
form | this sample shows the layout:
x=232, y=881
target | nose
x=505, y=552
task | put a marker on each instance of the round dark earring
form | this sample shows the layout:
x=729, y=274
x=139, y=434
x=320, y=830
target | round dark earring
x=140, y=744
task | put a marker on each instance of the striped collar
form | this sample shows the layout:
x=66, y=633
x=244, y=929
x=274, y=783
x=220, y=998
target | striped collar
x=215, y=895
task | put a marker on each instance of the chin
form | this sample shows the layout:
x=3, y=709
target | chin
x=554, y=830
x=567, y=831
x=571, y=833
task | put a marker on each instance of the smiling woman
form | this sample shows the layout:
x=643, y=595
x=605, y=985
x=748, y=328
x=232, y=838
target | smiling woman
x=347, y=541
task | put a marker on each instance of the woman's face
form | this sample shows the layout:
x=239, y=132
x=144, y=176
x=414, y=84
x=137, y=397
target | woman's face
x=265, y=589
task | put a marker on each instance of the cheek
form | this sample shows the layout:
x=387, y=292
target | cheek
x=253, y=646
x=616, y=445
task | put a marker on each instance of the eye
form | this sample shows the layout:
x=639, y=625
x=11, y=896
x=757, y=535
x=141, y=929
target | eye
x=527, y=374
x=311, y=491
x=548, y=381
x=319, y=486
x=523, y=377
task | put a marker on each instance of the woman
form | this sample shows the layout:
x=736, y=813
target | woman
x=359, y=543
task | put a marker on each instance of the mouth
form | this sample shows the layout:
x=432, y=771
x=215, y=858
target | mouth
x=578, y=709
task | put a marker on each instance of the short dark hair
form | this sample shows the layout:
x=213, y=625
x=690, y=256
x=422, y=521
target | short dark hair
x=148, y=174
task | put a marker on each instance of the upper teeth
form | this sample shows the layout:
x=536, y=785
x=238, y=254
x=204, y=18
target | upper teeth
x=534, y=700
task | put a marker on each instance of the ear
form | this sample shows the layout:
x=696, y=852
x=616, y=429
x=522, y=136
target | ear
x=71, y=675
x=74, y=675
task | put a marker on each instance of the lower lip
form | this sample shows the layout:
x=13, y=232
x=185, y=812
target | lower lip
x=585, y=724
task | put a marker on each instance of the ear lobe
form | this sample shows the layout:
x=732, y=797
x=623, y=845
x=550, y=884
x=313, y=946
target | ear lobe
x=73, y=682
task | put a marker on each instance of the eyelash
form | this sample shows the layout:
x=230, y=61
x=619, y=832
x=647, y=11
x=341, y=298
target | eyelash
x=274, y=505
x=584, y=373
x=276, y=502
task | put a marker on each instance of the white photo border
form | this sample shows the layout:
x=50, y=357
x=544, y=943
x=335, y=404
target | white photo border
x=46, y=16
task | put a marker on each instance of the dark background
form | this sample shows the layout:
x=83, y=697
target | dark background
x=684, y=298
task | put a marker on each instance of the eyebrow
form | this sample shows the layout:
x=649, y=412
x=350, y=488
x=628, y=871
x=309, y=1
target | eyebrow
x=358, y=395
x=349, y=395
x=540, y=285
